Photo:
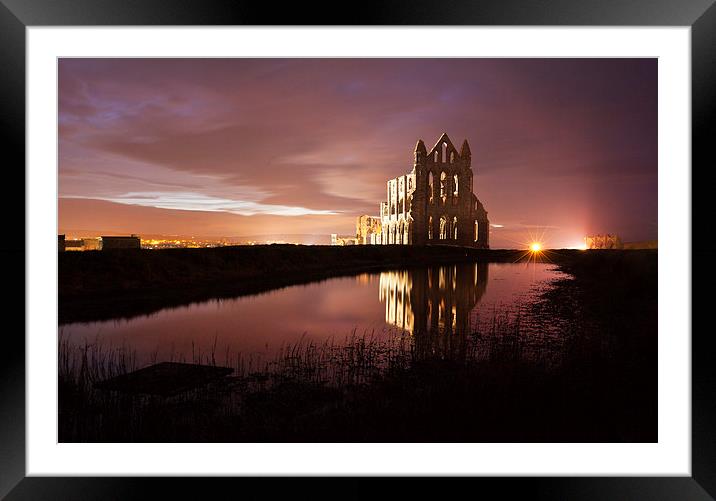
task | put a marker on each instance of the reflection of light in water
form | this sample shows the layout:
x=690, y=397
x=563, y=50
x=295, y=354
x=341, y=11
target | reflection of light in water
x=364, y=278
x=434, y=305
x=331, y=310
x=395, y=288
x=410, y=296
x=441, y=316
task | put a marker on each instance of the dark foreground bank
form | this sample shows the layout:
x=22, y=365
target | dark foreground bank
x=593, y=378
x=100, y=285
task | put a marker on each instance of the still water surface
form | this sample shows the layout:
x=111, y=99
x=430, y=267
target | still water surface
x=443, y=299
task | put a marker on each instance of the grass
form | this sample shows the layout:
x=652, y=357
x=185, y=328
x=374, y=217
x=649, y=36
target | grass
x=578, y=365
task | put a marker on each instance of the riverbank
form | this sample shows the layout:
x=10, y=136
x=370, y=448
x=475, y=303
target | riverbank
x=99, y=285
x=593, y=378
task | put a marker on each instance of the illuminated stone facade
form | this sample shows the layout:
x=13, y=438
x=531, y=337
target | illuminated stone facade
x=604, y=242
x=368, y=228
x=435, y=202
x=343, y=239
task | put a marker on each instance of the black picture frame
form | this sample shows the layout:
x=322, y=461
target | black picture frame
x=17, y=15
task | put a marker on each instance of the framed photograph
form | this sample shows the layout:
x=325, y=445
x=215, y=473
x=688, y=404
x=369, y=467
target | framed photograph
x=420, y=240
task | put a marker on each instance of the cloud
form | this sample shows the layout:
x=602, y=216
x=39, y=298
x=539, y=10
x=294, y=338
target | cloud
x=552, y=139
x=189, y=201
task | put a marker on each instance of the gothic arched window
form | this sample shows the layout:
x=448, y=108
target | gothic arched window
x=443, y=228
x=431, y=189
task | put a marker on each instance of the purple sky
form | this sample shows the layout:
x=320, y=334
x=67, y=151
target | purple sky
x=225, y=147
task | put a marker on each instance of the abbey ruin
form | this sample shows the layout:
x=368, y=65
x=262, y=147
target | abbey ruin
x=434, y=203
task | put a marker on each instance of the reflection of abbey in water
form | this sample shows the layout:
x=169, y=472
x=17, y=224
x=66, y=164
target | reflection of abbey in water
x=435, y=300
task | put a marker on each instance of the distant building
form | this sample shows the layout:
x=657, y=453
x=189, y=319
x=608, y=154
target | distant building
x=61, y=243
x=607, y=241
x=74, y=244
x=91, y=244
x=366, y=228
x=117, y=243
x=343, y=239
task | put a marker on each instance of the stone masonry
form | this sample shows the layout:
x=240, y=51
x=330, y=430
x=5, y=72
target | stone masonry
x=435, y=203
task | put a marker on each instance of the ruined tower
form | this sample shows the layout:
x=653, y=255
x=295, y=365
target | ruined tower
x=435, y=203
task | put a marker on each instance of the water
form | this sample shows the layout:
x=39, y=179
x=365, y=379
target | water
x=440, y=299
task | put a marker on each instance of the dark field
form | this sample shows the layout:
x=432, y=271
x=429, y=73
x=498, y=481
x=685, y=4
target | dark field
x=593, y=380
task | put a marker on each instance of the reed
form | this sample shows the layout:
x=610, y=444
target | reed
x=320, y=373
x=577, y=365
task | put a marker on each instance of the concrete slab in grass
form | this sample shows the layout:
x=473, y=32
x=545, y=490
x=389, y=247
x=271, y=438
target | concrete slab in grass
x=165, y=379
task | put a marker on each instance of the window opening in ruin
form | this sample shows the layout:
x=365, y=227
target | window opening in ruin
x=431, y=190
x=430, y=228
x=443, y=228
x=444, y=155
x=454, y=228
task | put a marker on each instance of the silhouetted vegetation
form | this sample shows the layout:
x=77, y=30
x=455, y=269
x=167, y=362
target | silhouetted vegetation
x=584, y=370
